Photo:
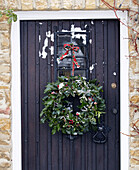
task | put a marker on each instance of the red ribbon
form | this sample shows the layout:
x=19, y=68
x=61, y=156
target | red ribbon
x=73, y=49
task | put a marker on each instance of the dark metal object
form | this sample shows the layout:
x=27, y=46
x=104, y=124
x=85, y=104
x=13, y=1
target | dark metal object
x=101, y=135
x=114, y=111
x=57, y=44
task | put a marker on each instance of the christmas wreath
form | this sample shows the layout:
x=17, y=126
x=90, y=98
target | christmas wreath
x=58, y=102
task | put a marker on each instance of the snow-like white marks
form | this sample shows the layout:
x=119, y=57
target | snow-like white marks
x=114, y=73
x=73, y=31
x=39, y=38
x=85, y=25
x=78, y=36
x=92, y=67
x=90, y=41
x=52, y=37
x=44, y=53
x=92, y=22
x=52, y=50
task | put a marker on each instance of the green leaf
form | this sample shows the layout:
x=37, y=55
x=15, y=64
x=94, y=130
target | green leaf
x=14, y=17
x=53, y=131
x=10, y=20
x=49, y=101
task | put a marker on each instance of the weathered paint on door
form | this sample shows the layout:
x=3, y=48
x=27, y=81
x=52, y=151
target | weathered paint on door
x=40, y=149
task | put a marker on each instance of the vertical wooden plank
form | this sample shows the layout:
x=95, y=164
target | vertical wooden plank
x=60, y=141
x=43, y=81
x=66, y=143
x=93, y=54
x=89, y=135
x=49, y=80
x=78, y=157
x=117, y=77
x=55, y=147
x=99, y=76
x=106, y=88
x=23, y=89
x=31, y=95
x=111, y=95
x=37, y=91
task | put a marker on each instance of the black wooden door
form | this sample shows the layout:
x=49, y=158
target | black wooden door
x=40, y=149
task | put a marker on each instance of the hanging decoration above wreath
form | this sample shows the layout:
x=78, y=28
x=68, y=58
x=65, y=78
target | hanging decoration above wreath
x=70, y=48
x=59, y=110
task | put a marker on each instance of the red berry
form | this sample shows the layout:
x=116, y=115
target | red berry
x=77, y=114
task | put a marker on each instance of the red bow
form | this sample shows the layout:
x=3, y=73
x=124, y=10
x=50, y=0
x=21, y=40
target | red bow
x=73, y=49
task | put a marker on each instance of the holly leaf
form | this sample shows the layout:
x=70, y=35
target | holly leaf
x=53, y=131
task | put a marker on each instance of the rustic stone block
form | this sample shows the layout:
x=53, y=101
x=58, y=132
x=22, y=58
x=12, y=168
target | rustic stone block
x=134, y=161
x=4, y=87
x=5, y=41
x=56, y=4
x=5, y=68
x=12, y=4
x=79, y=4
x=134, y=3
x=2, y=4
x=4, y=136
x=5, y=59
x=132, y=62
x=4, y=142
x=125, y=4
x=102, y=5
x=131, y=85
x=90, y=4
x=134, y=168
x=4, y=26
x=4, y=164
x=5, y=148
x=5, y=124
x=27, y=5
x=3, y=18
x=68, y=4
x=41, y=4
x=134, y=153
x=134, y=99
x=5, y=155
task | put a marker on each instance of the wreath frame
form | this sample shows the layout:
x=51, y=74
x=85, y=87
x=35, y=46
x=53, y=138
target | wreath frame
x=59, y=113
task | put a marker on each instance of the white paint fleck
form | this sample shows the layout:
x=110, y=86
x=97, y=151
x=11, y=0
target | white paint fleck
x=91, y=67
x=114, y=73
x=44, y=53
x=52, y=37
x=85, y=25
x=65, y=31
x=52, y=50
x=90, y=41
x=40, y=23
x=92, y=22
x=39, y=38
x=40, y=54
x=58, y=61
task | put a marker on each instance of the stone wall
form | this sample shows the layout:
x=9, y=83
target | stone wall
x=5, y=68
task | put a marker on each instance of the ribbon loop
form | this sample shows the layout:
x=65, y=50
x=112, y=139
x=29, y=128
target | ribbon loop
x=73, y=49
